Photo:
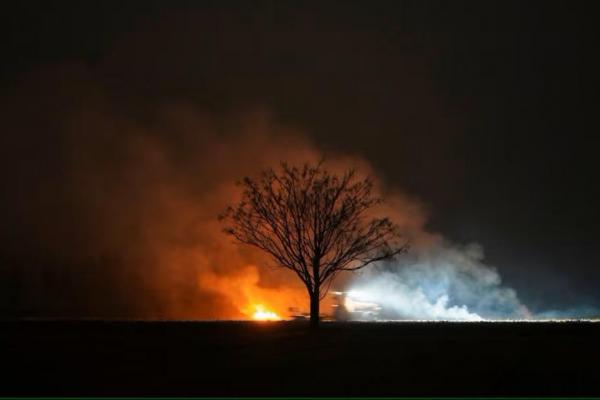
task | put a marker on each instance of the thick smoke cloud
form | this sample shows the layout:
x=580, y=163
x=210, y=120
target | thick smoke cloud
x=109, y=209
x=440, y=282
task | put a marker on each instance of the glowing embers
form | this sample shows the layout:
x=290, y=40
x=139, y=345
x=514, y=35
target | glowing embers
x=263, y=314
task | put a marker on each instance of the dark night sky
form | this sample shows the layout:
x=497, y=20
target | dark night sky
x=485, y=111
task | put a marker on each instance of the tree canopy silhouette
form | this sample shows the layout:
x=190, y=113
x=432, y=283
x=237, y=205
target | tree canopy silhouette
x=314, y=223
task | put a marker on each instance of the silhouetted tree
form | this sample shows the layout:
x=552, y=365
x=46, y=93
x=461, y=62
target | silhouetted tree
x=314, y=223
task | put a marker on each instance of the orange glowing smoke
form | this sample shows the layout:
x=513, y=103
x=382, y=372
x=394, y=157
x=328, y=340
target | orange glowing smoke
x=146, y=196
x=253, y=299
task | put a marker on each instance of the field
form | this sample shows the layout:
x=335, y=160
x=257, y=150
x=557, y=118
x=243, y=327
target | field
x=98, y=358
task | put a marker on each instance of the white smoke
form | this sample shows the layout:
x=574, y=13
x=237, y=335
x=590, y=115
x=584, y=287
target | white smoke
x=442, y=282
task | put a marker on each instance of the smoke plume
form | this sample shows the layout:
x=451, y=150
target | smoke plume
x=110, y=210
x=440, y=282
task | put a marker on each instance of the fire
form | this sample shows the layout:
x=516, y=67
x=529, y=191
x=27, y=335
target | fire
x=263, y=314
x=252, y=299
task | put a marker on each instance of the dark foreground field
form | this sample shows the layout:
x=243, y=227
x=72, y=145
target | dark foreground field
x=243, y=358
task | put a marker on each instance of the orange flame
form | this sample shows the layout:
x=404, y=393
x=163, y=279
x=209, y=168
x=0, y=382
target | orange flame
x=253, y=300
x=263, y=314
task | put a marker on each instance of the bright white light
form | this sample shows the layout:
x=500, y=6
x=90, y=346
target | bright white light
x=405, y=303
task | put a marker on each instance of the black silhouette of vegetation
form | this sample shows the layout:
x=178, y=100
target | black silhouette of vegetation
x=314, y=223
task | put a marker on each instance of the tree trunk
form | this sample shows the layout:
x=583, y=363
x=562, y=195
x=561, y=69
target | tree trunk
x=315, y=295
x=314, y=310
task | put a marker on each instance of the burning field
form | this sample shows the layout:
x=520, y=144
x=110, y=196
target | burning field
x=128, y=224
x=299, y=198
x=116, y=168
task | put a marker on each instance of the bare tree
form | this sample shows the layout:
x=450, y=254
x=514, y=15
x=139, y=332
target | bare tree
x=314, y=223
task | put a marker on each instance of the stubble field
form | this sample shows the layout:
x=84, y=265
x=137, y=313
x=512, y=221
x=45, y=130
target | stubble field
x=118, y=358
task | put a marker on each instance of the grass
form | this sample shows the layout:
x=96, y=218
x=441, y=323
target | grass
x=189, y=358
